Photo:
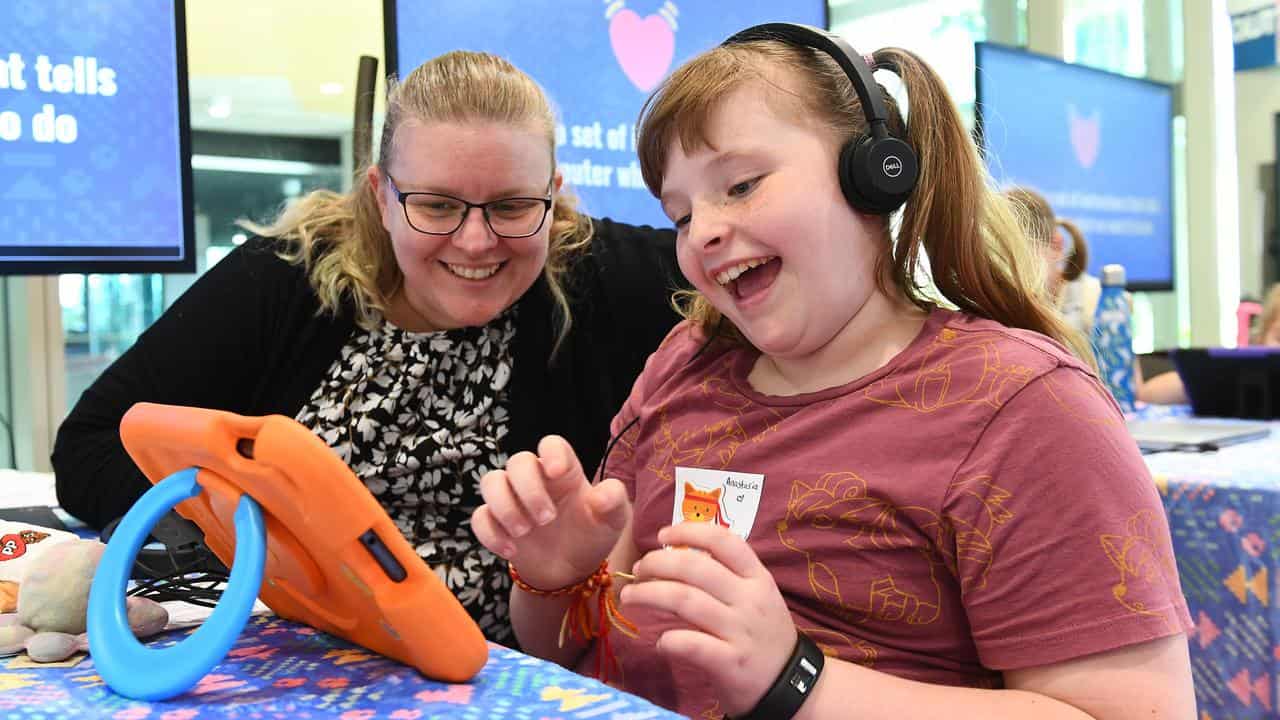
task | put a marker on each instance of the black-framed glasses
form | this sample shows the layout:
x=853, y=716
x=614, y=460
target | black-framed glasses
x=440, y=214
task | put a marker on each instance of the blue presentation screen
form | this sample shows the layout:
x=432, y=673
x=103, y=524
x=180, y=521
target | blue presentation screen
x=597, y=60
x=93, y=137
x=1096, y=144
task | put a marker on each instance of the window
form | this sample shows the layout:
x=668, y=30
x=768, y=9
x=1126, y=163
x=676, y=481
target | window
x=103, y=315
x=1106, y=34
x=941, y=32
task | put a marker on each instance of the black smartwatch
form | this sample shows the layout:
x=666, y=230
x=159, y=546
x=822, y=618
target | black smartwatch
x=792, y=688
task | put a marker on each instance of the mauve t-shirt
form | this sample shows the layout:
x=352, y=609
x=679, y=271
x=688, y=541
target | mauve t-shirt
x=975, y=505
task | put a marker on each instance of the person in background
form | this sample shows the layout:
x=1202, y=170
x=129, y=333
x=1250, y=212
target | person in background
x=1037, y=220
x=1073, y=291
x=1166, y=388
x=917, y=512
x=448, y=311
x=1269, y=321
x=1077, y=292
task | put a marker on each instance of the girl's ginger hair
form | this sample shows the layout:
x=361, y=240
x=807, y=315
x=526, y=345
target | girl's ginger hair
x=979, y=258
x=339, y=237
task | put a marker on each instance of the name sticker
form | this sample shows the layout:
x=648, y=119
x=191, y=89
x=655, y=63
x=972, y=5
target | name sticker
x=728, y=499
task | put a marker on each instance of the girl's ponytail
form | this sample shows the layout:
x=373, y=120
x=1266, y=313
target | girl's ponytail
x=979, y=258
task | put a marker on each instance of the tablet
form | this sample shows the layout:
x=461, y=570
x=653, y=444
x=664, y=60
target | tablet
x=1191, y=435
x=334, y=559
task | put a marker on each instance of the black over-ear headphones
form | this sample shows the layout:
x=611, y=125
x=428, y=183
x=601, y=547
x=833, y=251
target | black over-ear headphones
x=877, y=171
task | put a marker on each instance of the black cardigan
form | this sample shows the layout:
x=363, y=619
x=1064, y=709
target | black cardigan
x=248, y=338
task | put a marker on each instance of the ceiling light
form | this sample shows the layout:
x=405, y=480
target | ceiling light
x=254, y=165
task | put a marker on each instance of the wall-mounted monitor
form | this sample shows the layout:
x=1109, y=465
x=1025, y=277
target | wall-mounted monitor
x=597, y=60
x=94, y=138
x=1098, y=145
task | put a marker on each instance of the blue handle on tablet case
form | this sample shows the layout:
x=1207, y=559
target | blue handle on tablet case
x=125, y=664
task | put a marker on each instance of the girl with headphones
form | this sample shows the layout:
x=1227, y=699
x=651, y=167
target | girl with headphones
x=852, y=483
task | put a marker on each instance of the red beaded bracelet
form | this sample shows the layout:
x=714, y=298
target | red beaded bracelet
x=577, y=618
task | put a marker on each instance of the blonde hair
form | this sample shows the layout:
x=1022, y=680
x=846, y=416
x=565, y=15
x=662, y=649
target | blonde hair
x=1270, y=312
x=1034, y=215
x=1039, y=223
x=339, y=238
x=979, y=258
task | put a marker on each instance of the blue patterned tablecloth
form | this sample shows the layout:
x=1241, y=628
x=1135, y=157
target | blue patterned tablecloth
x=282, y=670
x=1224, y=513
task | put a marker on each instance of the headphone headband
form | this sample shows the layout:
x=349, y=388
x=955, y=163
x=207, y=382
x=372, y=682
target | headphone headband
x=853, y=64
x=877, y=171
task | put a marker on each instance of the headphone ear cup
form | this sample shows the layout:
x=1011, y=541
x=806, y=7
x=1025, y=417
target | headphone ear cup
x=847, y=167
x=877, y=175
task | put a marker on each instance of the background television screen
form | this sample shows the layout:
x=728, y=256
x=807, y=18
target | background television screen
x=598, y=62
x=1096, y=144
x=94, y=172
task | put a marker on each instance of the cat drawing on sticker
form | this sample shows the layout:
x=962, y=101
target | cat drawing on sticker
x=703, y=506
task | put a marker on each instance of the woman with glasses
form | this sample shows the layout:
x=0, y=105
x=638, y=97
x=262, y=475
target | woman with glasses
x=449, y=311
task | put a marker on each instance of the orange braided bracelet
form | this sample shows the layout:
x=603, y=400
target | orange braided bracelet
x=577, y=618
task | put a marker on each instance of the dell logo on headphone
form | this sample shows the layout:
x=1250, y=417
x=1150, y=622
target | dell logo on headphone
x=892, y=166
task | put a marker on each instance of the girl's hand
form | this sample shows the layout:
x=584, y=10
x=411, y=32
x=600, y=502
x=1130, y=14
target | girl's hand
x=542, y=515
x=740, y=633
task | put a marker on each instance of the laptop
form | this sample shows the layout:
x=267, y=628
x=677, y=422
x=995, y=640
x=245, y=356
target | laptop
x=41, y=515
x=1193, y=436
x=1231, y=382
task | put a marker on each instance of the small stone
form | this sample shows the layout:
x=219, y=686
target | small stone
x=51, y=647
x=13, y=638
x=146, y=616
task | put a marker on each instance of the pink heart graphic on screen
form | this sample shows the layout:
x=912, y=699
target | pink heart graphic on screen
x=1086, y=136
x=644, y=47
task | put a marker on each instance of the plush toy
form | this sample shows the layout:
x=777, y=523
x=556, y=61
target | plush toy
x=53, y=599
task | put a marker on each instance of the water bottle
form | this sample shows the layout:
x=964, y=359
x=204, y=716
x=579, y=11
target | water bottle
x=1112, y=338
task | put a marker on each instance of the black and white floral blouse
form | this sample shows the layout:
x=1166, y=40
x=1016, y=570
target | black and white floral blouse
x=419, y=418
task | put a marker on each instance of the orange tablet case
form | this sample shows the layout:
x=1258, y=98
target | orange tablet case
x=335, y=560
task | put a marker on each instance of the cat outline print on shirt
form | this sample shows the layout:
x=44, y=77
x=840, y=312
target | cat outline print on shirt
x=841, y=502
x=927, y=387
x=714, y=444
x=1142, y=562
